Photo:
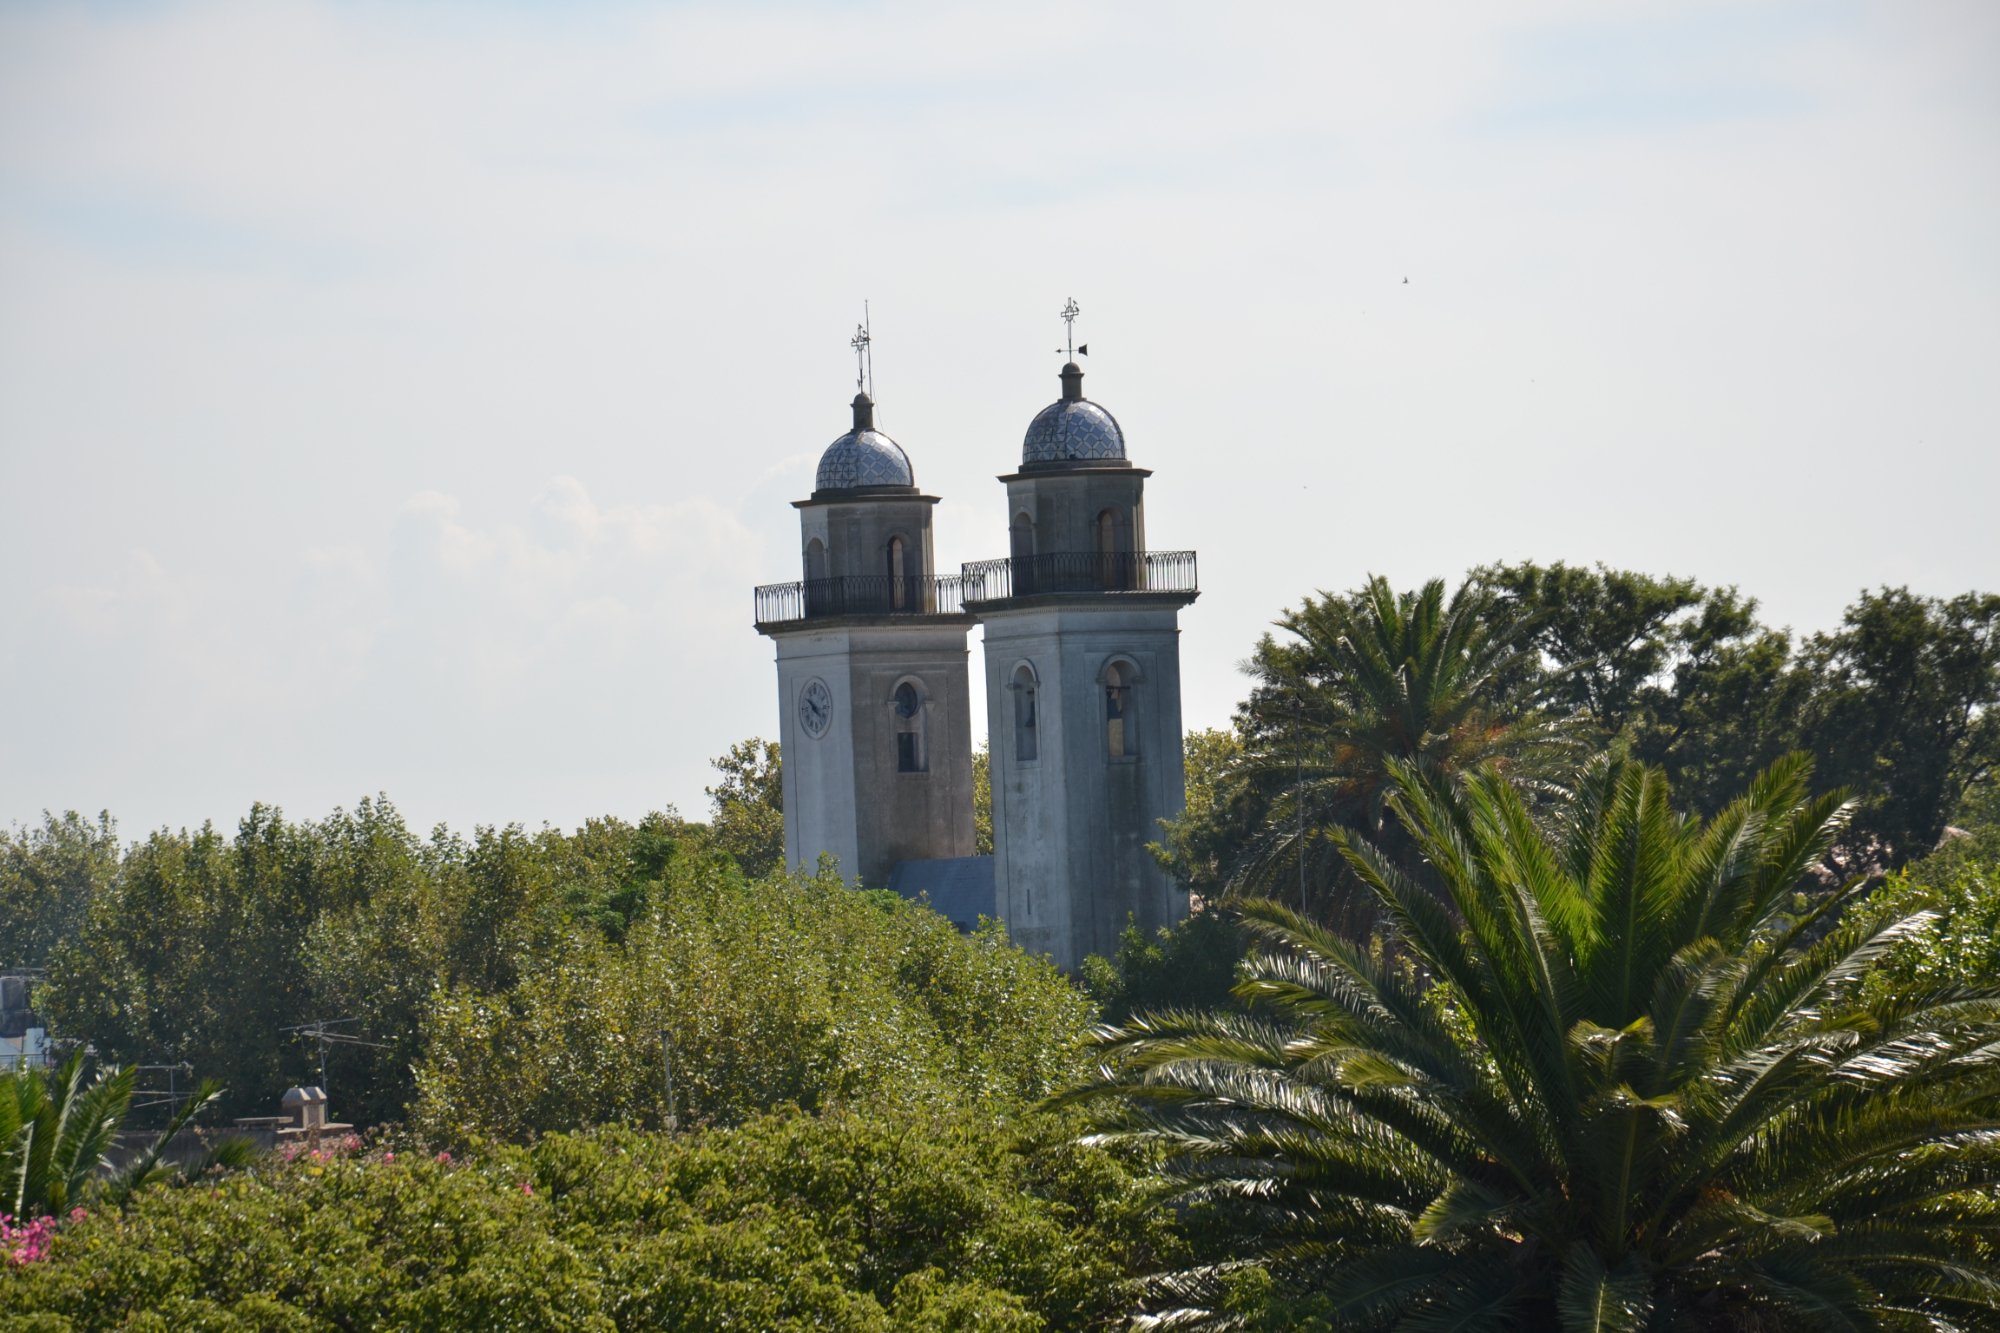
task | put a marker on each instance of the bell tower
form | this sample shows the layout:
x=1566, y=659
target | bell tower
x=873, y=699
x=1083, y=687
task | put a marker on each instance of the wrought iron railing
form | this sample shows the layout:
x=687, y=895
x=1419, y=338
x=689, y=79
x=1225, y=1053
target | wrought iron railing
x=857, y=595
x=1080, y=571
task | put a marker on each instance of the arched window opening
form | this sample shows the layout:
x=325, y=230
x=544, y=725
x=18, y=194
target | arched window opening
x=817, y=587
x=1027, y=725
x=909, y=705
x=1120, y=737
x=1112, y=560
x=899, y=586
x=1021, y=550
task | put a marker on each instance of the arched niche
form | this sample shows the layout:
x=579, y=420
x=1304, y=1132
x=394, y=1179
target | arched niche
x=1025, y=688
x=1120, y=679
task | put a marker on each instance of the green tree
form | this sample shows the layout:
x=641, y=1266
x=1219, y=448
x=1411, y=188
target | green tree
x=1960, y=944
x=926, y=1222
x=349, y=917
x=1645, y=1092
x=982, y=801
x=791, y=990
x=1903, y=710
x=381, y=940
x=749, y=806
x=1199, y=847
x=1683, y=675
x=1368, y=682
x=1897, y=704
x=48, y=878
x=1980, y=808
x=1610, y=638
x=192, y=955
x=1190, y=964
x=1959, y=885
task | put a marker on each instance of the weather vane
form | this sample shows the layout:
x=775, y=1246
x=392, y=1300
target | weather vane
x=864, y=359
x=1070, y=311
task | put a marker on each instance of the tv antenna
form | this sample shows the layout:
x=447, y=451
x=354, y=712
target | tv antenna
x=864, y=356
x=323, y=1031
x=1069, y=313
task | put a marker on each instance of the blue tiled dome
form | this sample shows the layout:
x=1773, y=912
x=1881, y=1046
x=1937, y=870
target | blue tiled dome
x=1073, y=429
x=863, y=457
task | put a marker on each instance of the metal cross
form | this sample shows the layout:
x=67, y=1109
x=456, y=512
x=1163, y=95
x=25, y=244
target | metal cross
x=1070, y=311
x=864, y=359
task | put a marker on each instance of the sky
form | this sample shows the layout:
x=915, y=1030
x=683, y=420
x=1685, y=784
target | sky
x=405, y=398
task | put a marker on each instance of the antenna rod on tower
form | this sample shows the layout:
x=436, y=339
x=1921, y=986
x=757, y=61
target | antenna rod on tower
x=868, y=329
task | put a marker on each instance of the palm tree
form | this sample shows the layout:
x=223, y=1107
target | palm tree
x=1644, y=1091
x=1373, y=681
x=56, y=1131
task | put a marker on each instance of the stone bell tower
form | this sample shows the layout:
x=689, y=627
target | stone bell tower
x=1083, y=688
x=873, y=703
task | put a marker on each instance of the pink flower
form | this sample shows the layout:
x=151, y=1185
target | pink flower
x=526, y=1188
x=26, y=1244
x=388, y=1156
x=444, y=1159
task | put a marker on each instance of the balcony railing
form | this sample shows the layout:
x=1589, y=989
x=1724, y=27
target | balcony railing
x=1080, y=571
x=858, y=595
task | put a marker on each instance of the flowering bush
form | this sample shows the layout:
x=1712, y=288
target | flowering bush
x=25, y=1242
x=295, y=1150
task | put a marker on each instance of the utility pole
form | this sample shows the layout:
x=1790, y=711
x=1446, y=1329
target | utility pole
x=322, y=1031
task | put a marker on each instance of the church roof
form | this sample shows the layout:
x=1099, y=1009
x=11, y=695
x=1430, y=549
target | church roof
x=864, y=457
x=1073, y=429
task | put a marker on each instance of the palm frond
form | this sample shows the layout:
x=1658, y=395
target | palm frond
x=1617, y=1075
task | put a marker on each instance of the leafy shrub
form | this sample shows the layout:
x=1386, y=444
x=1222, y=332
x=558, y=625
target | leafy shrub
x=850, y=1221
x=1960, y=946
x=1189, y=964
x=790, y=990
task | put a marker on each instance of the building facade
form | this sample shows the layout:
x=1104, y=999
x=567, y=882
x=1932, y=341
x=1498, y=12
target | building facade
x=1082, y=683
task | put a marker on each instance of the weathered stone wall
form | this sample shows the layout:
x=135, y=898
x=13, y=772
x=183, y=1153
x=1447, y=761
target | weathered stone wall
x=1071, y=825
x=843, y=791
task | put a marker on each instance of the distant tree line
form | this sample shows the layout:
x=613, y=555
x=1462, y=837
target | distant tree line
x=1533, y=667
x=200, y=946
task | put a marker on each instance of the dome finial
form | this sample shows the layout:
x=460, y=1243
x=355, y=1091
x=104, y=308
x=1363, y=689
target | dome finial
x=864, y=412
x=1072, y=373
x=864, y=358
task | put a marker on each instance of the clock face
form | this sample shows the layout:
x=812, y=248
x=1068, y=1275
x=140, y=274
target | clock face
x=815, y=708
